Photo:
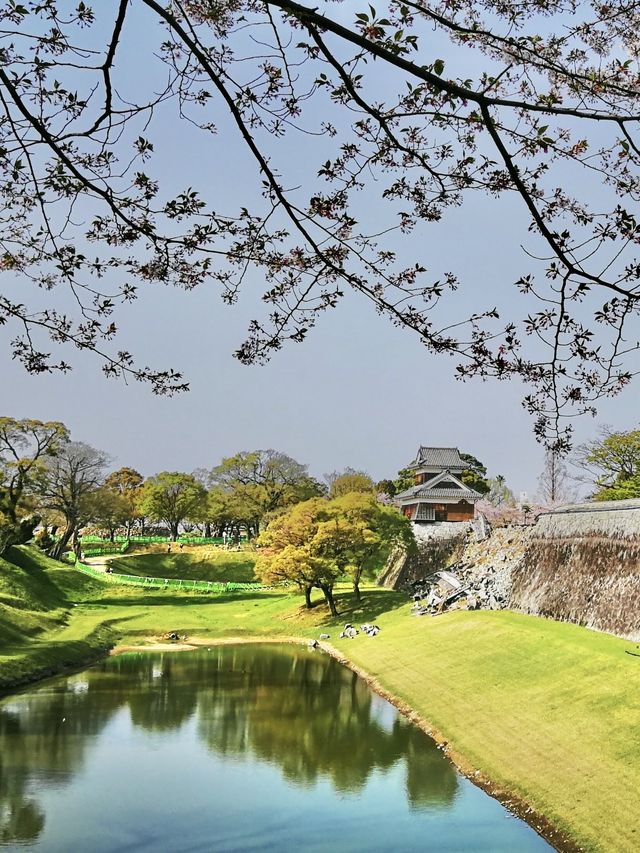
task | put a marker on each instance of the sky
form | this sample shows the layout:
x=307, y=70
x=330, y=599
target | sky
x=359, y=392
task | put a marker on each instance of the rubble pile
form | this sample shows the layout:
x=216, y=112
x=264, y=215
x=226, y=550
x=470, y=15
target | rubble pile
x=481, y=579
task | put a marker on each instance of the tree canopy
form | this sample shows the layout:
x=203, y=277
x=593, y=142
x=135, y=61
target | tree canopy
x=531, y=102
x=315, y=542
x=349, y=480
x=67, y=485
x=263, y=481
x=172, y=497
x=611, y=464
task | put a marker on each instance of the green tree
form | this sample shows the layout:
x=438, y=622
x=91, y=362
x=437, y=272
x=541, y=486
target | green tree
x=172, y=497
x=264, y=481
x=358, y=533
x=611, y=464
x=475, y=476
x=386, y=487
x=108, y=510
x=25, y=445
x=349, y=480
x=404, y=480
x=66, y=485
x=288, y=552
x=127, y=483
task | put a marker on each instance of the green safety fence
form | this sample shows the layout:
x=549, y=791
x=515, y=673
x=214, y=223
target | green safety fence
x=188, y=540
x=104, y=550
x=167, y=583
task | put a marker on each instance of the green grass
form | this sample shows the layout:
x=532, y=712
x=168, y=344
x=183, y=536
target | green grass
x=548, y=711
x=203, y=563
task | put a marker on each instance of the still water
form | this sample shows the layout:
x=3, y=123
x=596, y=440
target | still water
x=236, y=748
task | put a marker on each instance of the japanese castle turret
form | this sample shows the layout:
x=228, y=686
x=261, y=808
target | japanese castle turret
x=439, y=493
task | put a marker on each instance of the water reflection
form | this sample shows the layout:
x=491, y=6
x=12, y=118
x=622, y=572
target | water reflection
x=296, y=710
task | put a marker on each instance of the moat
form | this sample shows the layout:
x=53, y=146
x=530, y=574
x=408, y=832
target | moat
x=233, y=748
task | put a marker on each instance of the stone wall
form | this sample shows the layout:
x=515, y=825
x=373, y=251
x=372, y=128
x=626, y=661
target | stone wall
x=439, y=546
x=582, y=565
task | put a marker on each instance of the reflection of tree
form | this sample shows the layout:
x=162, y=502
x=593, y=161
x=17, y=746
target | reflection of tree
x=44, y=734
x=158, y=699
x=301, y=712
x=314, y=719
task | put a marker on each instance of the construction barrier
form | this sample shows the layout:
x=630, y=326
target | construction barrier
x=168, y=583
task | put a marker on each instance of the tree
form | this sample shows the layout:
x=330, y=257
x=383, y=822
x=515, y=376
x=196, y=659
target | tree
x=66, y=485
x=553, y=482
x=347, y=481
x=287, y=552
x=265, y=481
x=172, y=497
x=611, y=464
x=475, y=475
x=464, y=97
x=127, y=484
x=405, y=480
x=386, y=487
x=314, y=543
x=358, y=533
x=500, y=494
x=25, y=446
x=108, y=509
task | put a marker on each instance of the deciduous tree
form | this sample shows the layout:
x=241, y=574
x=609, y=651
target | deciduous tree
x=66, y=484
x=611, y=464
x=554, y=484
x=109, y=510
x=264, y=481
x=127, y=483
x=287, y=552
x=358, y=533
x=172, y=497
x=25, y=446
x=349, y=480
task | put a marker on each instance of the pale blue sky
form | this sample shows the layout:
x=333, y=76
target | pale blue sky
x=359, y=392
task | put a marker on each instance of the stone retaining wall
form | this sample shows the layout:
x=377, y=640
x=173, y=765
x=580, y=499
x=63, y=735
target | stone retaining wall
x=582, y=565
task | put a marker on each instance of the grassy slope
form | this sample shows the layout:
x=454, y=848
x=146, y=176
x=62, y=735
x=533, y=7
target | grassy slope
x=549, y=711
x=198, y=563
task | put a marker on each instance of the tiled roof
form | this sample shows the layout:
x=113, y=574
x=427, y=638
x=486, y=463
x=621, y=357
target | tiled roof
x=423, y=491
x=440, y=457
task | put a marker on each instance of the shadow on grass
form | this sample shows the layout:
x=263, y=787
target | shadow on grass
x=373, y=603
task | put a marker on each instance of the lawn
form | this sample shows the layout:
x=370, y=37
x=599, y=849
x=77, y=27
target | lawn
x=201, y=562
x=547, y=711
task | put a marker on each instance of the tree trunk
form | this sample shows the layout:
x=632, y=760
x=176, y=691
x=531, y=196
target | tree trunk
x=61, y=544
x=207, y=530
x=307, y=597
x=174, y=532
x=356, y=584
x=328, y=595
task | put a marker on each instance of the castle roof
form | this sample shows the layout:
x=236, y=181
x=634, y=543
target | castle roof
x=439, y=457
x=423, y=491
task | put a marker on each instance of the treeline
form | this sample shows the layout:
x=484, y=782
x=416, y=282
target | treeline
x=63, y=486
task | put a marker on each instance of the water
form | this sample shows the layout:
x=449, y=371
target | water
x=236, y=748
